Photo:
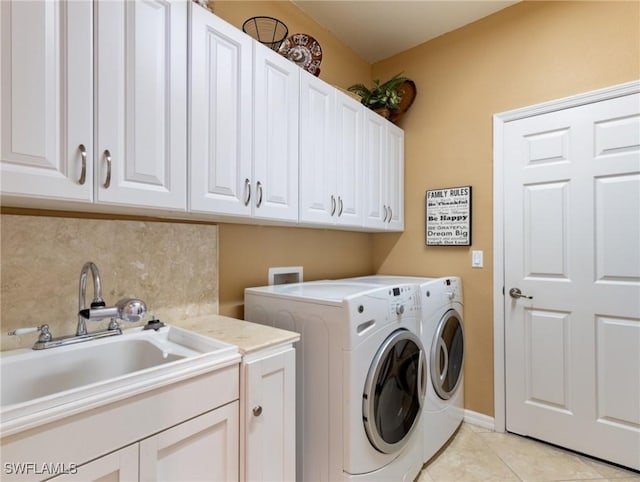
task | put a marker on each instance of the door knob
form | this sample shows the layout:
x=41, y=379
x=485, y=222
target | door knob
x=516, y=293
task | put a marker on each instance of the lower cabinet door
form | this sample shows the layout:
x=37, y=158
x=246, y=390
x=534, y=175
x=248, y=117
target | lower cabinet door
x=118, y=466
x=204, y=448
x=270, y=450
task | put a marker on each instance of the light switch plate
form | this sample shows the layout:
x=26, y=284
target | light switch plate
x=477, y=259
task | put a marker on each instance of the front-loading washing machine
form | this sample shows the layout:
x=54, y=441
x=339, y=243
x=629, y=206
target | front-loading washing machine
x=360, y=376
x=442, y=333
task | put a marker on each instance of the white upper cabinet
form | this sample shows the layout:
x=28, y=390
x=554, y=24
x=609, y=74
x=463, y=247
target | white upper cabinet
x=244, y=125
x=48, y=95
x=275, y=142
x=330, y=155
x=46, y=98
x=395, y=177
x=384, y=174
x=141, y=102
x=349, y=168
x=221, y=63
x=318, y=197
x=94, y=109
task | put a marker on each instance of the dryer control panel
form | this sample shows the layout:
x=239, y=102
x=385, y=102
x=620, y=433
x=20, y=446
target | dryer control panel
x=403, y=300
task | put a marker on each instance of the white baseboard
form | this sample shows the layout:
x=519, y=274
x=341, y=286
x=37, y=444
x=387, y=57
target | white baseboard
x=479, y=419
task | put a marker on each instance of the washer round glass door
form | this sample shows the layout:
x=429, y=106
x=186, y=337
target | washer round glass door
x=447, y=355
x=394, y=391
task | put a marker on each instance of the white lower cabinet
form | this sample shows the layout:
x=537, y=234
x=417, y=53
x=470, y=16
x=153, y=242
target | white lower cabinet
x=187, y=430
x=118, y=466
x=228, y=425
x=204, y=448
x=268, y=411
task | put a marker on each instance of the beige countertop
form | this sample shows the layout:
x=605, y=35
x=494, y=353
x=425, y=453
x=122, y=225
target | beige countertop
x=248, y=337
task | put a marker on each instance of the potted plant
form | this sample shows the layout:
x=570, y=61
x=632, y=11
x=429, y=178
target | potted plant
x=383, y=98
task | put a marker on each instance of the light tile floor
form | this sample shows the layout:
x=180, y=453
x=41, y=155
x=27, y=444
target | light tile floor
x=478, y=454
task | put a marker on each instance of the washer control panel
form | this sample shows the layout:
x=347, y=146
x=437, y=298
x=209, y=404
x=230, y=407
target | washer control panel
x=403, y=300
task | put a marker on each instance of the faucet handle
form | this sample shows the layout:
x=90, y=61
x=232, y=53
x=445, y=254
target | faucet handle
x=45, y=334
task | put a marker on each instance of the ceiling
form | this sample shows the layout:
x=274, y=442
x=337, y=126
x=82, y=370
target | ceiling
x=376, y=30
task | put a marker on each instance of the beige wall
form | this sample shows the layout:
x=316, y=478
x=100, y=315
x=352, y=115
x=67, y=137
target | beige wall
x=171, y=266
x=247, y=252
x=526, y=54
x=340, y=65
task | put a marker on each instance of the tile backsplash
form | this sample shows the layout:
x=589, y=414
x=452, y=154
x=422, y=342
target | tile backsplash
x=173, y=267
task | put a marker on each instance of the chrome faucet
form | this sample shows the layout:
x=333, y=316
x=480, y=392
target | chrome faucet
x=97, y=302
x=128, y=309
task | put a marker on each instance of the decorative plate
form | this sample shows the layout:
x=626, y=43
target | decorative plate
x=303, y=50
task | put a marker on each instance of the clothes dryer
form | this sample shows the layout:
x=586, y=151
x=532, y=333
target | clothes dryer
x=442, y=332
x=360, y=376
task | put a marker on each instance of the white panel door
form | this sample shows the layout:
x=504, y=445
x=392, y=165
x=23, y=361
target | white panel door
x=275, y=168
x=46, y=97
x=318, y=197
x=375, y=152
x=270, y=451
x=203, y=448
x=572, y=244
x=118, y=466
x=349, y=141
x=395, y=178
x=141, y=103
x=221, y=64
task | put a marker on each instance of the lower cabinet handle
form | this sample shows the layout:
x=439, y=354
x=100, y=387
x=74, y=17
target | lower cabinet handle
x=259, y=189
x=83, y=155
x=107, y=156
x=247, y=190
x=333, y=204
x=257, y=411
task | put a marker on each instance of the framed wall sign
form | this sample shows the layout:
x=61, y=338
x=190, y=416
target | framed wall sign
x=448, y=216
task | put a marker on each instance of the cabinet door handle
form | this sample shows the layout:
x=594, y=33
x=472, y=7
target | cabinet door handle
x=384, y=208
x=259, y=189
x=83, y=155
x=390, y=214
x=340, y=206
x=257, y=411
x=107, y=156
x=247, y=190
x=333, y=205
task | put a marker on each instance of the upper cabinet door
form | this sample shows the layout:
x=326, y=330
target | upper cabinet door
x=384, y=174
x=349, y=169
x=318, y=195
x=275, y=155
x=221, y=63
x=395, y=177
x=375, y=145
x=141, y=103
x=46, y=66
